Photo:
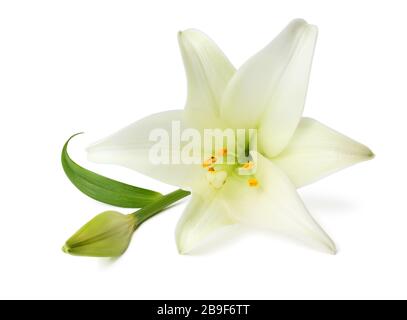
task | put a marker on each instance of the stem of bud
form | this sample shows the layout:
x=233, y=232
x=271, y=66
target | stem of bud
x=157, y=206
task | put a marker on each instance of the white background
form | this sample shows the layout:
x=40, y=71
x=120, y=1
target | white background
x=96, y=66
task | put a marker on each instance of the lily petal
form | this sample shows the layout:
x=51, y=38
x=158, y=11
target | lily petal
x=131, y=147
x=273, y=204
x=205, y=214
x=268, y=91
x=208, y=72
x=316, y=151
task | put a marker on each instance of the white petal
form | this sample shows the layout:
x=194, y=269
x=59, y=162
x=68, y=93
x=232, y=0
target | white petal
x=208, y=72
x=269, y=90
x=204, y=215
x=130, y=147
x=316, y=151
x=273, y=204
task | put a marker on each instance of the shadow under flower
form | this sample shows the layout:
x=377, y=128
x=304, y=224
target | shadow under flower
x=328, y=204
x=220, y=240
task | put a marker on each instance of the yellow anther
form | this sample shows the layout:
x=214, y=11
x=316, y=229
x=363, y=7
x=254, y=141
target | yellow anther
x=211, y=169
x=223, y=152
x=248, y=165
x=206, y=163
x=253, y=182
x=209, y=162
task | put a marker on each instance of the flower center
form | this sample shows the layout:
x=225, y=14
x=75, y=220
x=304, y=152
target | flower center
x=217, y=171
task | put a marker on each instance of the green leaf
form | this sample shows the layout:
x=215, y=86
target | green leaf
x=104, y=189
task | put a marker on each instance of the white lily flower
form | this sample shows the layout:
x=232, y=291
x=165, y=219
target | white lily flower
x=267, y=93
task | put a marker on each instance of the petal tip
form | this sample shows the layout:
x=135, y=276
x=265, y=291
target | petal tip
x=330, y=245
x=91, y=154
x=304, y=25
x=301, y=22
x=184, y=34
x=179, y=242
x=332, y=249
x=370, y=154
x=366, y=154
x=182, y=250
x=181, y=34
x=184, y=244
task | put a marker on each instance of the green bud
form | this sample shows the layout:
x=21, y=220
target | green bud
x=106, y=235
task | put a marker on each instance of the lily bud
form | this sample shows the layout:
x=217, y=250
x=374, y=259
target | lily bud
x=106, y=235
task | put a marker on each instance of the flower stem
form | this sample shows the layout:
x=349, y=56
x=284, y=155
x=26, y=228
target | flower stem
x=157, y=206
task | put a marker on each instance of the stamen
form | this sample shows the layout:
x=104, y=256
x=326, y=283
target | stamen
x=253, y=182
x=211, y=169
x=223, y=152
x=248, y=165
x=209, y=162
x=206, y=163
